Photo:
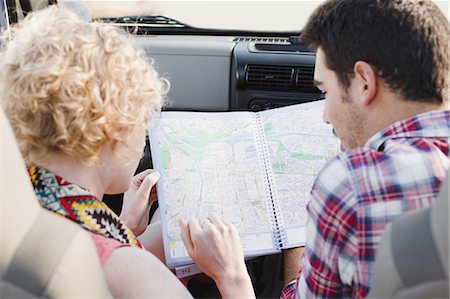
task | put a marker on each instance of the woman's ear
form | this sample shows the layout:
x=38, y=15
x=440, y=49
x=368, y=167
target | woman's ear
x=365, y=82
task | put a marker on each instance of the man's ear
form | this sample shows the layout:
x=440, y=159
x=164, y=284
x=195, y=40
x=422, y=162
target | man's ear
x=365, y=82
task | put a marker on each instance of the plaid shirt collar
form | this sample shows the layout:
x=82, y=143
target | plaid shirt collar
x=428, y=124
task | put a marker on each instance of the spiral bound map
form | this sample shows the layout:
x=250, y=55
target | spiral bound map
x=255, y=169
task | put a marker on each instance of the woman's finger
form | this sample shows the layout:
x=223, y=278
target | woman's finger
x=143, y=193
x=153, y=194
x=139, y=178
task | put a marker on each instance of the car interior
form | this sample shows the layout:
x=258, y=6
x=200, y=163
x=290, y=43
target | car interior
x=42, y=254
x=210, y=70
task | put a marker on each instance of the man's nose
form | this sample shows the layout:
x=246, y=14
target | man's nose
x=325, y=116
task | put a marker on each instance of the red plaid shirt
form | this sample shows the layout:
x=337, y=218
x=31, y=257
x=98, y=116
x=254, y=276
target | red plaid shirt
x=357, y=193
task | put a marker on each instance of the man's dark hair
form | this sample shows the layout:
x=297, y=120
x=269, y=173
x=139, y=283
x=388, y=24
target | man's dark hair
x=407, y=41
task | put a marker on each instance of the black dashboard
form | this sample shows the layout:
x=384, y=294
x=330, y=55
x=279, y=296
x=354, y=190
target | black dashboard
x=270, y=75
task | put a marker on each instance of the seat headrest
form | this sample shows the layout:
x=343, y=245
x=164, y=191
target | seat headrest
x=440, y=223
x=19, y=206
x=42, y=254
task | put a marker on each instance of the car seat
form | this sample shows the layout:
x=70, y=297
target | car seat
x=413, y=259
x=42, y=255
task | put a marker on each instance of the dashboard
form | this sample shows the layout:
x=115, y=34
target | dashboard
x=223, y=73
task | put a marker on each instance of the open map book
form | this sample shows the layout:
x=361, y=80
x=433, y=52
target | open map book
x=255, y=169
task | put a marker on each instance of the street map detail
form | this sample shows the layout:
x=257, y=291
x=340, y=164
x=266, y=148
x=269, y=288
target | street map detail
x=222, y=162
x=210, y=163
x=299, y=145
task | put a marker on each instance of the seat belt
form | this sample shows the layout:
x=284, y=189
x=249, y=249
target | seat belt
x=40, y=253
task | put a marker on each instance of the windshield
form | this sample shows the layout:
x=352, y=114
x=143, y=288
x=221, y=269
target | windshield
x=2, y=15
x=230, y=15
x=242, y=15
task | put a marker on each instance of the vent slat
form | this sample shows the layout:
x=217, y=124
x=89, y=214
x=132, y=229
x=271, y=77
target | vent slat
x=269, y=77
x=261, y=39
x=281, y=78
x=304, y=80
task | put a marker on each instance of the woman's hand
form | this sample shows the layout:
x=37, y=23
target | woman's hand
x=152, y=238
x=214, y=245
x=138, y=200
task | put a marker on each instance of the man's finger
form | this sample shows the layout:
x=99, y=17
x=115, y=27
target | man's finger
x=195, y=229
x=232, y=227
x=227, y=222
x=186, y=236
x=215, y=219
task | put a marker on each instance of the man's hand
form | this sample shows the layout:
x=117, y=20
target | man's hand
x=215, y=247
x=138, y=200
x=292, y=261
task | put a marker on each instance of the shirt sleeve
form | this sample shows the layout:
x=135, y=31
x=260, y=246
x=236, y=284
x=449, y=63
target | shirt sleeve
x=329, y=260
x=289, y=290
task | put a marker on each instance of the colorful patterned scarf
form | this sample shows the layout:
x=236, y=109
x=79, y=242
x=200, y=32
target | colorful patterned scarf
x=79, y=205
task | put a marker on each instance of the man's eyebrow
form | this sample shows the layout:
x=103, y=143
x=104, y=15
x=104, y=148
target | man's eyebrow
x=317, y=83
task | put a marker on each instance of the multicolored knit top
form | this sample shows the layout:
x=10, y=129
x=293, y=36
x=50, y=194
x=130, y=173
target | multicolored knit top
x=79, y=205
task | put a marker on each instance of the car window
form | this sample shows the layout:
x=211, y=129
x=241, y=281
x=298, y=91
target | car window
x=2, y=15
x=241, y=15
x=228, y=15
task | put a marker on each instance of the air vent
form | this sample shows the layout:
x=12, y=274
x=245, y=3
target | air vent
x=144, y=21
x=261, y=39
x=269, y=77
x=304, y=79
x=279, y=47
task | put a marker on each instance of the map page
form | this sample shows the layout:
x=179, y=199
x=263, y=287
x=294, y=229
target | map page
x=210, y=162
x=247, y=167
x=299, y=144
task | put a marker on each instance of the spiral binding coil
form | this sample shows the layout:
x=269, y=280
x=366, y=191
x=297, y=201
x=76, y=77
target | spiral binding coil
x=276, y=219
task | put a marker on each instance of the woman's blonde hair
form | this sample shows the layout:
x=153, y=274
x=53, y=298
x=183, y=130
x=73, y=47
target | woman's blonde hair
x=70, y=87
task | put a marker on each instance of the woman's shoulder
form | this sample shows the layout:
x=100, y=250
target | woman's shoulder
x=145, y=273
x=105, y=246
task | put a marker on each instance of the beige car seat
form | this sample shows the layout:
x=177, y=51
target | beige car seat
x=413, y=259
x=42, y=255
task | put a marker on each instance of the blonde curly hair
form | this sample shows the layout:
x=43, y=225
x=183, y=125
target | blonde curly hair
x=70, y=87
